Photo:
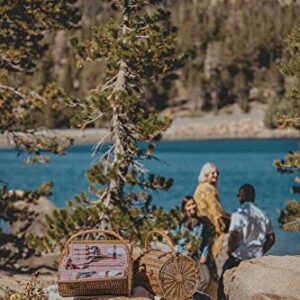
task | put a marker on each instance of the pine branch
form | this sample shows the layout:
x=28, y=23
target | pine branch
x=91, y=120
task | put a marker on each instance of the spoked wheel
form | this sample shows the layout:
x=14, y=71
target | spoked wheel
x=179, y=278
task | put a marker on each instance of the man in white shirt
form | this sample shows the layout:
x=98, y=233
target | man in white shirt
x=250, y=233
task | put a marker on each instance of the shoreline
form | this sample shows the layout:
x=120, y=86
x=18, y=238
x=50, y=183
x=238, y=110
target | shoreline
x=209, y=127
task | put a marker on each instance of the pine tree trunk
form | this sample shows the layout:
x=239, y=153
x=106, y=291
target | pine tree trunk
x=120, y=157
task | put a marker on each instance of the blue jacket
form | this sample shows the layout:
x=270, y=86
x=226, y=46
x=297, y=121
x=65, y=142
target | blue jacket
x=197, y=231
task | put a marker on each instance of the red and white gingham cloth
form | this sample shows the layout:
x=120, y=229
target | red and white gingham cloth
x=92, y=261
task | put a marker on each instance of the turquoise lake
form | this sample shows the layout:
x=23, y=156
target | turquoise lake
x=239, y=161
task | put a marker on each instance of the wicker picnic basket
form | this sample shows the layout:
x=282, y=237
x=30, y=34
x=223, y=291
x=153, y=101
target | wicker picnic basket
x=95, y=266
x=166, y=274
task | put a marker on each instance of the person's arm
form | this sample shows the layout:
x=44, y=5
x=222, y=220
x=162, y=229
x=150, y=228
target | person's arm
x=204, y=253
x=270, y=241
x=235, y=232
x=204, y=248
x=270, y=236
x=225, y=222
x=232, y=241
x=202, y=259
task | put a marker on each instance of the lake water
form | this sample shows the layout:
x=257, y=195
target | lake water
x=239, y=161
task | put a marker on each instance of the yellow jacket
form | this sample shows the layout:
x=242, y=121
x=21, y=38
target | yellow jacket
x=207, y=200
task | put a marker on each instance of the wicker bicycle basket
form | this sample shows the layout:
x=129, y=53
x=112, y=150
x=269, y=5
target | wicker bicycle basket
x=95, y=266
x=166, y=274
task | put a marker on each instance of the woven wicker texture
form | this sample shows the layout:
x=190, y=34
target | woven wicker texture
x=166, y=274
x=95, y=267
x=179, y=278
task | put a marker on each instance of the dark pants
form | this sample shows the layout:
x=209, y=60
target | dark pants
x=230, y=263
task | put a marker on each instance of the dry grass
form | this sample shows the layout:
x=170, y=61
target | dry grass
x=32, y=291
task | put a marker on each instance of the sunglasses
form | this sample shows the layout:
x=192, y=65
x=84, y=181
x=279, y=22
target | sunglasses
x=217, y=172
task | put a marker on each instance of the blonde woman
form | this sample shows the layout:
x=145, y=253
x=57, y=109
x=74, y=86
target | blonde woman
x=208, y=203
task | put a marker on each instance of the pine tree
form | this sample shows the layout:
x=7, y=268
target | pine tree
x=290, y=216
x=137, y=47
x=23, y=25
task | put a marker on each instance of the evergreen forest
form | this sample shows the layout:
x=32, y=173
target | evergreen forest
x=235, y=47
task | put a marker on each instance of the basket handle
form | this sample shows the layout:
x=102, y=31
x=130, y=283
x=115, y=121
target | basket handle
x=161, y=233
x=84, y=232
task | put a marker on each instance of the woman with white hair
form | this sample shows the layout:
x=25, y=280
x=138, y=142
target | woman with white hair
x=209, y=206
x=207, y=199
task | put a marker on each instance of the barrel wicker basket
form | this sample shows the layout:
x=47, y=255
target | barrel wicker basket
x=95, y=266
x=166, y=274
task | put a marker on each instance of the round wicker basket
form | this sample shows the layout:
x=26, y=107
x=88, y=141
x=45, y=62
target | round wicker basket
x=166, y=274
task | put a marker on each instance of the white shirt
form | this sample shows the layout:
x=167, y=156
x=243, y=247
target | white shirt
x=253, y=225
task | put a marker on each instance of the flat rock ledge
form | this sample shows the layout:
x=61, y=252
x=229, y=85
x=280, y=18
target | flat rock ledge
x=265, y=278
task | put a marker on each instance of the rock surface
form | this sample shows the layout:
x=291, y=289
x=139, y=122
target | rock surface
x=264, y=278
x=48, y=281
x=44, y=262
x=222, y=126
x=225, y=127
x=263, y=296
x=44, y=206
x=17, y=282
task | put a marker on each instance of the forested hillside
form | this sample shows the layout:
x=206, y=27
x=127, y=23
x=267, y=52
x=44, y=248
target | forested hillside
x=236, y=48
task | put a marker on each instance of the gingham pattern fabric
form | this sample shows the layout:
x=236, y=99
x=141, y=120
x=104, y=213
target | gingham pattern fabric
x=92, y=261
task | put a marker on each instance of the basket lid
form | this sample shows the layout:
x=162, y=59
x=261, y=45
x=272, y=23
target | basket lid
x=179, y=278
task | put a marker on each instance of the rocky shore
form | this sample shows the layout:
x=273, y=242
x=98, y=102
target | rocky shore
x=222, y=126
x=265, y=278
x=236, y=126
